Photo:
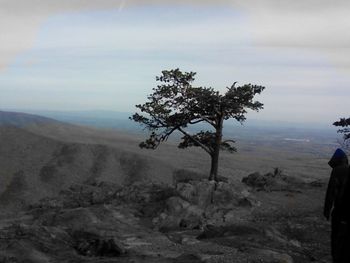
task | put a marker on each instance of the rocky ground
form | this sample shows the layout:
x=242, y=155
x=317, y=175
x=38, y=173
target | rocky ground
x=268, y=218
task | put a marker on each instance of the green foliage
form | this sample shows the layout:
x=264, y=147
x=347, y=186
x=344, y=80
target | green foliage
x=175, y=104
x=345, y=123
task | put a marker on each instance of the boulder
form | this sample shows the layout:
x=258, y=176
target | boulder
x=144, y=193
x=226, y=195
x=176, y=204
x=180, y=214
x=278, y=181
x=197, y=193
x=207, y=193
x=191, y=221
x=269, y=181
x=237, y=216
x=147, y=198
x=203, y=202
x=167, y=223
x=257, y=180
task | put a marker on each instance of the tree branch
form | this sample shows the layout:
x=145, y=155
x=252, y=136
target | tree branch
x=204, y=147
x=226, y=141
x=201, y=119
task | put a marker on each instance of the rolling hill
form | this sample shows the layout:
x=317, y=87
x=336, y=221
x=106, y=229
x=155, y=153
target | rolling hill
x=39, y=157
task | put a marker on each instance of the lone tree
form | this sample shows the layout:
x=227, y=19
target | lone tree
x=175, y=105
x=345, y=123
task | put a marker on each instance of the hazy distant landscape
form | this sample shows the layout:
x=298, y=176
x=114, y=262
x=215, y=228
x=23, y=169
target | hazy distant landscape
x=264, y=131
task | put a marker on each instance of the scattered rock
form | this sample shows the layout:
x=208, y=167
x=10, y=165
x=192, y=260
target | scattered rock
x=276, y=181
x=90, y=244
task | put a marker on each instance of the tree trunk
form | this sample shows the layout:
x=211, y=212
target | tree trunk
x=214, y=165
x=215, y=156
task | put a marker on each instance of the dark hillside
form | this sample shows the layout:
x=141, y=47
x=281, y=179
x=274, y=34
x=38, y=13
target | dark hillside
x=34, y=166
x=18, y=119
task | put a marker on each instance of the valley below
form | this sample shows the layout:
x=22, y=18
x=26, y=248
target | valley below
x=72, y=193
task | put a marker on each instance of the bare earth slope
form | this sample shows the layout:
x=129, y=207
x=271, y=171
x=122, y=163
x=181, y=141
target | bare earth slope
x=37, y=159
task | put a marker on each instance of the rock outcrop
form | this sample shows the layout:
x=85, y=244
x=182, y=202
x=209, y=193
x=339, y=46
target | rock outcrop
x=196, y=221
x=278, y=181
x=198, y=203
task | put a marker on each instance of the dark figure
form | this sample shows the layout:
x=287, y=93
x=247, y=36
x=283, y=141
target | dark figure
x=336, y=207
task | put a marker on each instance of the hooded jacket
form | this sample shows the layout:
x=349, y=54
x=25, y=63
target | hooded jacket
x=336, y=185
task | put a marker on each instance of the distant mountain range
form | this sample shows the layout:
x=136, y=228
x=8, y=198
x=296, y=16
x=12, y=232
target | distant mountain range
x=253, y=131
x=251, y=128
x=107, y=117
x=101, y=119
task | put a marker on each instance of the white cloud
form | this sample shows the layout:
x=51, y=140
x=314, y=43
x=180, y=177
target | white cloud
x=319, y=24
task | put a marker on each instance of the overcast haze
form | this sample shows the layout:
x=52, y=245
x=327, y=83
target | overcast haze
x=87, y=55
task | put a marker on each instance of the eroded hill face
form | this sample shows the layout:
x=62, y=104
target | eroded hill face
x=34, y=166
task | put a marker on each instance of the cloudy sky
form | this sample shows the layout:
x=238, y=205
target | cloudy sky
x=90, y=55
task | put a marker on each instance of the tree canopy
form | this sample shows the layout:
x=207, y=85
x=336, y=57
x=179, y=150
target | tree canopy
x=175, y=105
x=345, y=124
